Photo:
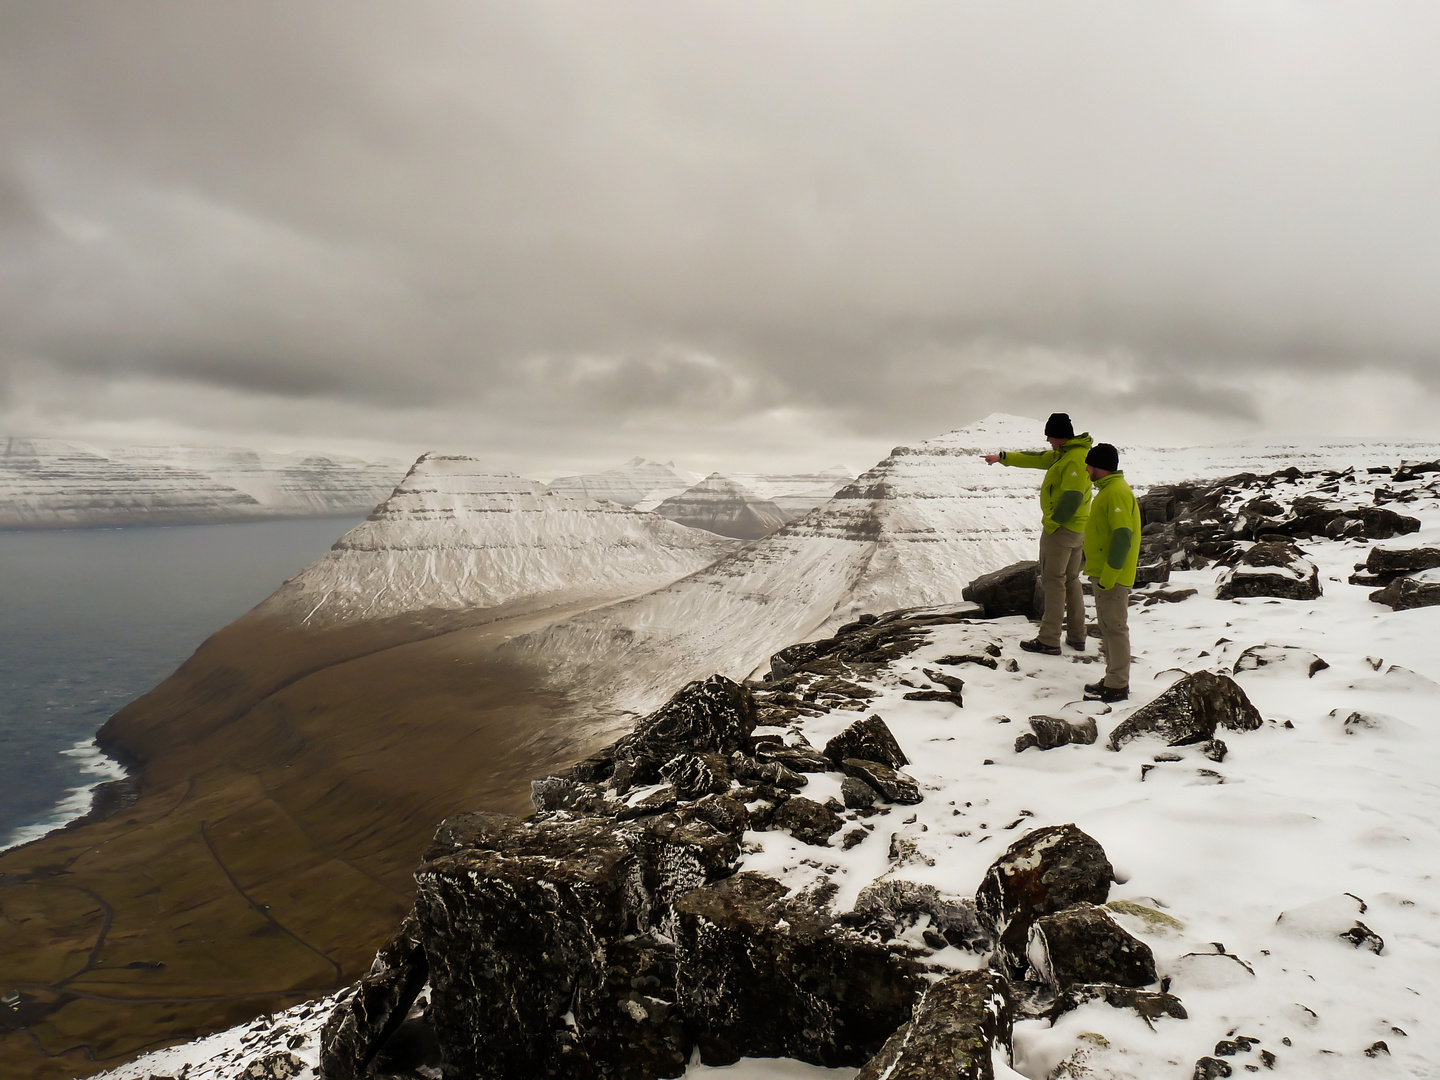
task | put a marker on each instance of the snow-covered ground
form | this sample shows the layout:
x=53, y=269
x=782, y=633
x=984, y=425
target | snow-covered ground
x=1255, y=864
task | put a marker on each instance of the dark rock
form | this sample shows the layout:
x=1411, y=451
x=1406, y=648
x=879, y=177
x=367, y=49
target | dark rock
x=1168, y=596
x=1041, y=873
x=760, y=977
x=1310, y=516
x=638, y=770
x=1156, y=572
x=1414, y=470
x=1010, y=591
x=1241, y=1044
x=1049, y=732
x=1150, y=1005
x=657, y=802
x=1082, y=944
x=562, y=793
x=958, y=1026
x=1210, y=1068
x=794, y=657
x=869, y=739
x=714, y=716
x=1362, y=937
x=892, y=907
x=596, y=768
x=970, y=658
x=1214, y=749
x=808, y=821
x=953, y=683
x=1271, y=569
x=723, y=813
x=361, y=1024
x=795, y=758
x=1377, y=1048
x=1259, y=656
x=697, y=775
x=857, y=794
x=278, y=1066
x=771, y=773
x=1190, y=712
x=937, y=695
x=1389, y=563
x=521, y=924
x=1402, y=594
x=893, y=786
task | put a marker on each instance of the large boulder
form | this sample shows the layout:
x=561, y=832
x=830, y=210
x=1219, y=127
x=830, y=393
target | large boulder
x=870, y=739
x=1013, y=590
x=714, y=716
x=762, y=977
x=957, y=1028
x=374, y=1011
x=1402, y=594
x=1041, y=873
x=1270, y=569
x=524, y=923
x=893, y=786
x=1190, y=712
x=894, y=906
x=1386, y=564
x=1082, y=944
x=1311, y=516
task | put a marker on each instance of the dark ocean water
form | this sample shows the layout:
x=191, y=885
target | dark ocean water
x=92, y=618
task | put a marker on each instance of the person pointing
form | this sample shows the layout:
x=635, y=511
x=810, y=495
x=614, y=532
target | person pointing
x=1064, y=509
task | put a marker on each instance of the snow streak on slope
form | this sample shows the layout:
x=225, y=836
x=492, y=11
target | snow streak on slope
x=639, y=483
x=47, y=483
x=912, y=530
x=454, y=537
x=720, y=505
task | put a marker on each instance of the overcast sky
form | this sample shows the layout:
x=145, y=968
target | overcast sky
x=735, y=234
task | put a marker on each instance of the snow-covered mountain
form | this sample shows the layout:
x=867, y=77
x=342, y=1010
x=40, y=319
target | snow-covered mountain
x=455, y=536
x=796, y=493
x=721, y=505
x=50, y=483
x=913, y=530
x=639, y=483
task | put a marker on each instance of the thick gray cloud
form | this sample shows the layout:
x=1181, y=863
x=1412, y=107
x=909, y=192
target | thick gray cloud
x=800, y=227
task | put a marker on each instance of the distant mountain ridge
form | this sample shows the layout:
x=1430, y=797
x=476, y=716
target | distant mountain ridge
x=52, y=483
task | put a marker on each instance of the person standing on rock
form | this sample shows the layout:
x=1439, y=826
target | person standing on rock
x=1064, y=507
x=1112, y=551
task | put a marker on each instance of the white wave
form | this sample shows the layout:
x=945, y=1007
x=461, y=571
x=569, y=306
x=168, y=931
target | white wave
x=75, y=802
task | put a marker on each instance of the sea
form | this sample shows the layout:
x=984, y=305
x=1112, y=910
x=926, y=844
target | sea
x=90, y=619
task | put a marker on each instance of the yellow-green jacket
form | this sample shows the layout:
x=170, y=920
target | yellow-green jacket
x=1112, y=535
x=1065, y=491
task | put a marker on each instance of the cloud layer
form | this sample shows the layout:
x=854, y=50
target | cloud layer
x=553, y=231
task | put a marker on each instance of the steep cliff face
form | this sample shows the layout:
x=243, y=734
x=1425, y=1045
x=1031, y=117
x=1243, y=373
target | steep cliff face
x=454, y=537
x=639, y=483
x=49, y=483
x=720, y=505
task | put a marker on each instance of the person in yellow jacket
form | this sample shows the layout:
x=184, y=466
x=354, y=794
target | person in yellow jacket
x=1064, y=506
x=1112, y=551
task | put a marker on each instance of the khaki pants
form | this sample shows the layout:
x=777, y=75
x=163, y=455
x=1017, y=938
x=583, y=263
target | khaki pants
x=1112, y=612
x=1062, y=553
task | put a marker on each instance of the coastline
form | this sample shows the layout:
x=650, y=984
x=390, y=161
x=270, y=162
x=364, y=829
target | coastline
x=115, y=788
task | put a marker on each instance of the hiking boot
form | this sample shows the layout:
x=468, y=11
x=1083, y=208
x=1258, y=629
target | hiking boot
x=1036, y=645
x=1078, y=644
x=1100, y=692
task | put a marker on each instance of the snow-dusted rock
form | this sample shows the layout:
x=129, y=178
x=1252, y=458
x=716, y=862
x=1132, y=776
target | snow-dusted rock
x=455, y=536
x=1278, y=659
x=869, y=739
x=1190, y=712
x=1050, y=732
x=639, y=483
x=1271, y=569
x=1404, y=594
x=1011, y=590
x=724, y=506
x=1082, y=944
x=958, y=1027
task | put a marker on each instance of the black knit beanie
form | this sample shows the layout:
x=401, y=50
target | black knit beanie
x=1059, y=426
x=1103, y=456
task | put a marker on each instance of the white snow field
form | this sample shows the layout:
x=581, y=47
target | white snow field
x=639, y=483
x=456, y=537
x=50, y=483
x=1251, y=868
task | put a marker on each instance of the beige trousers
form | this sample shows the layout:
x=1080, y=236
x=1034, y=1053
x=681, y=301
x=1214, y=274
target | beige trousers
x=1062, y=553
x=1112, y=612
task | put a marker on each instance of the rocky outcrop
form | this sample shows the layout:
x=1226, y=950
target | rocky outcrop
x=1276, y=569
x=957, y=1025
x=870, y=740
x=1042, y=873
x=1190, y=712
x=1013, y=590
x=1384, y=565
x=361, y=1025
x=1402, y=594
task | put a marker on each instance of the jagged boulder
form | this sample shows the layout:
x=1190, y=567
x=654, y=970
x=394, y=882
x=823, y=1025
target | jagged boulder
x=1270, y=569
x=869, y=739
x=762, y=977
x=361, y=1024
x=1402, y=594
x=892, y=907
x=1013, y=590
x=696, y=775
x=523, y=923
x=1386, y=564
x=856, y=794
x=1190, y=712
x=714, y=716
x=893, y=786
x=800, y=759
x=1041, y=873
x=1082, y=944
x=808, y=821
x=1049, y=732
x=957, y=1028
x=1311, y=516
